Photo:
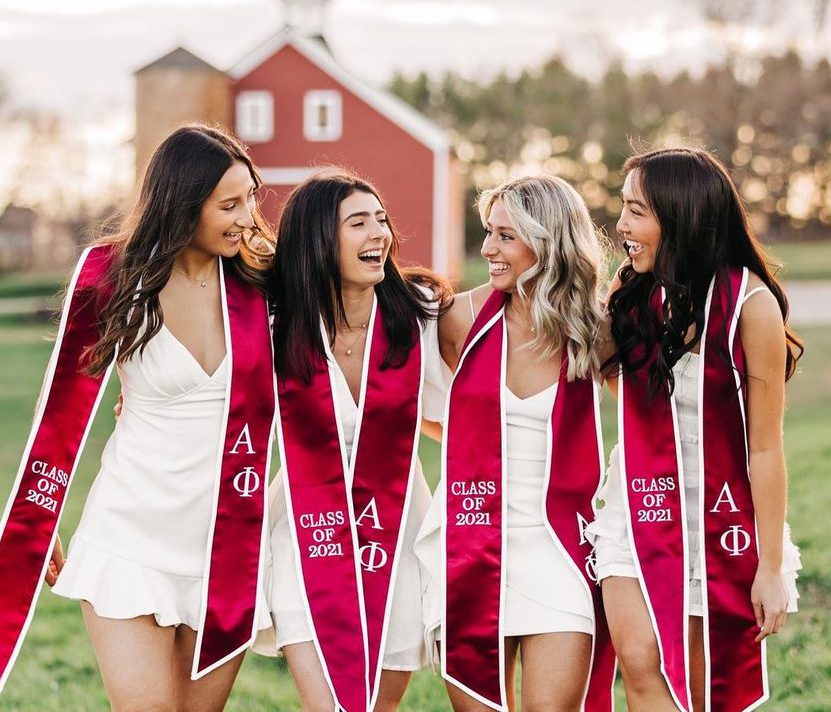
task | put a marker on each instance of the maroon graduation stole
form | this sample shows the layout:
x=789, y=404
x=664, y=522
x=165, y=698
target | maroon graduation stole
x=474, y=527
x=64, y=416
x=347, y=542
x=736, y=676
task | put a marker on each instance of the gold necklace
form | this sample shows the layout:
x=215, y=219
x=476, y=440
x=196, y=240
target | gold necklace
x=202, y=282
x=527, y=323
x=350, y=346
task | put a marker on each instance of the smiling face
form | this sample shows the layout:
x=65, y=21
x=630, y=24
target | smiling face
x=507, y=255
x=364, y=240
x=226, y=214
x=638, y=226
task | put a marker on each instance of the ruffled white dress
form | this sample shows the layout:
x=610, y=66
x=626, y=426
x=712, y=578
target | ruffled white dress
x=141, y=544
x=404, y=644
x=609, y=532
x=543, y=593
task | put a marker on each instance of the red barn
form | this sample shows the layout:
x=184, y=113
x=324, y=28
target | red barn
x=297, y=109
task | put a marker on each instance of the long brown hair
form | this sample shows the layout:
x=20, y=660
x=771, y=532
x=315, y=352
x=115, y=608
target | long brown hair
x=306, y=284
x=704, y=231
x=182, y=173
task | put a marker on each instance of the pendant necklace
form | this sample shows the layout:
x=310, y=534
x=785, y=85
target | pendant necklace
x=351, y=345
x=202, y=282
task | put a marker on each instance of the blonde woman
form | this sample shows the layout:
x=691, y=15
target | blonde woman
x=507, y=569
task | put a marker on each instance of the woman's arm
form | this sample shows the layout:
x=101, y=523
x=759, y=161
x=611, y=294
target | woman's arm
x=455, y=323
x=763, y=341
x=55, y=563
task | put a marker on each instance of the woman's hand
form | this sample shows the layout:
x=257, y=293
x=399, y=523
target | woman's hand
x=770, y=601
x=55, y=563
x=119, y=406
x=431, y=429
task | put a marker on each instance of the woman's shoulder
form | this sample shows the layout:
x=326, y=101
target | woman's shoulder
x=759, y=305
x=466, y=306
x=455, y=323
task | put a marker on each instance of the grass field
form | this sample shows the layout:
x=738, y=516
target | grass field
x=56, y=670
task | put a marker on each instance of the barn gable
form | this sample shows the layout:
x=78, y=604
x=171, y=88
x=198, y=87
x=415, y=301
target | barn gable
x=397, y=111
x=286, y=156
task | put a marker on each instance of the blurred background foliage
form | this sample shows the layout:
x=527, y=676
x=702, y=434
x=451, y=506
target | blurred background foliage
x=769, y=121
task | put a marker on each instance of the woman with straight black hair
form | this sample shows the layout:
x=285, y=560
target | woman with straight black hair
x=168, y=557
x=692, y=548
x=358, y=368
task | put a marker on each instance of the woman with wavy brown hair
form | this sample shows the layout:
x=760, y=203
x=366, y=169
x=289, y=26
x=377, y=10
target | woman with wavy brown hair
x=692, y=547
x=166, y=560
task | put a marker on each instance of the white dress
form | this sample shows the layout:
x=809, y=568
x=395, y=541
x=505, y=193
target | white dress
x=405, y=643
x=543, y=593
x=141, y=544
x=609, y=532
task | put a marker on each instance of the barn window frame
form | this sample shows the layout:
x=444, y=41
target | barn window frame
x=255, y=116
x=322, y=115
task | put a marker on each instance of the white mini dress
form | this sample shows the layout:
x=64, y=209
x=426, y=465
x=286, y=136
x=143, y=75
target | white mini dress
x=141, y=544
x=610, y=530
x=404, y=643
x=543, y=593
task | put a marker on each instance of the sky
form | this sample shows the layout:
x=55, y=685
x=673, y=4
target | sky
x=76, y=58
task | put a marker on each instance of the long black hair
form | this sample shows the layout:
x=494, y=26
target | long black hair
x=182, y=173
x=305, y=282
x=704, y=231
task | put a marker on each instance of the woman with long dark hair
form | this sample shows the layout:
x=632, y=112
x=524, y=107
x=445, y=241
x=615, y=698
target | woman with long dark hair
x=358, y=367
x=692, y=547
x=508, y=570
x=167, y=559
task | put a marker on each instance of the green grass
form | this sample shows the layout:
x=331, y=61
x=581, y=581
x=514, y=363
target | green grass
x=31, y=284
x=57, y=670
x=804, y=260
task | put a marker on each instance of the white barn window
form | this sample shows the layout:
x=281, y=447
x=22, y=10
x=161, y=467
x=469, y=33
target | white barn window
x=255, y=116
x=322, y=115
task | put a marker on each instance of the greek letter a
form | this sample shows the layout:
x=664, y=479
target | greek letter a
x=725, y=496
x=243, y=439
x=371, y=511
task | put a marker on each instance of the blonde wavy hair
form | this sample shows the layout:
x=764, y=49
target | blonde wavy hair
x=563, y=285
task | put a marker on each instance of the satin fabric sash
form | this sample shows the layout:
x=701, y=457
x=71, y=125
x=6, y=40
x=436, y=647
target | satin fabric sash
x=237, y=543
x=474, y=526
x=348, y=540
x=64, y=416
x=736, y=677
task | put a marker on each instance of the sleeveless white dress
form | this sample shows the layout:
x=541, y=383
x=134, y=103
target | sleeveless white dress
x=404, y=644
x=610, y=530
x=543, y=593
x=141, y=544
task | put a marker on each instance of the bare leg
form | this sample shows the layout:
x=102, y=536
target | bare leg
x=636, y=646
x=393, y=686
x=209, y=693
x=697, y=677
x=136, y=660
x=308, y=676
x=462, y=702
x=555, y=671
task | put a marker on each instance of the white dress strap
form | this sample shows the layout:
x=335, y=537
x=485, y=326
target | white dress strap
x=752, y=292
x=470, y=301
